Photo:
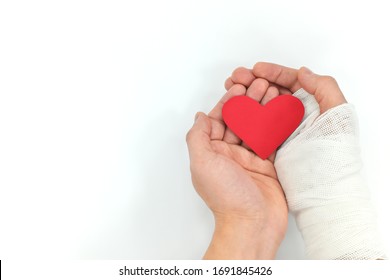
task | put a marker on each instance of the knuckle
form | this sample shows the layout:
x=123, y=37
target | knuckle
x=258, y=64
x=189, y=135
x=328, y=79
x=239, y=69
x=238, y=72
x=238, y=88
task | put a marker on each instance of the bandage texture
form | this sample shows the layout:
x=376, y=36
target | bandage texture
x=319, y=167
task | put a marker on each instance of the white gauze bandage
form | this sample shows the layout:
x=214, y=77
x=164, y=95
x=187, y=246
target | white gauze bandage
x=319, y=167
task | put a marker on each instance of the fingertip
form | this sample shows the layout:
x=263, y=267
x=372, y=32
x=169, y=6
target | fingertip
x=280, y=75
x=228, y=83
x=198, y=137
x=307, y=79
x=257, y=65
x=257, y=89
x=201, y=124
x=199, y=116
x=306, y=71
x=239, y=70
x=242, y=75
x=235, y=90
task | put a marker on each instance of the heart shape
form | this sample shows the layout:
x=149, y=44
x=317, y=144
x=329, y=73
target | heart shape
x=263, y=128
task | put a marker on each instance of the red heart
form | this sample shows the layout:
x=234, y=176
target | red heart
x=263, y=128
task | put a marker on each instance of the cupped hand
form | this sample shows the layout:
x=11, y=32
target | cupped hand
x=241, y=189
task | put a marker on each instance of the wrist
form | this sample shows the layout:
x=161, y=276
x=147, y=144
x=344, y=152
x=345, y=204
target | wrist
x=242, y=238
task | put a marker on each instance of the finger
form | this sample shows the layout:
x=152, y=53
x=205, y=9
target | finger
x=324, y=88
x=280, y=75
x=230, y=137
x=282, y=90
x=271, y=93
x=235, y=90
x=251, y=162
x=243, y=76
x=257, y=89
x=218, y=127
x=271, y=158
x=228, y=83
x=198, y=137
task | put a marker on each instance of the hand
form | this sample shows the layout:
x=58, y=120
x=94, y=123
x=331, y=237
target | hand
x=288, y=80
x=319, y=167
x=241, y=189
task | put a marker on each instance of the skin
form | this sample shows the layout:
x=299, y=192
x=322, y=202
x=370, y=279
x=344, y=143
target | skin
x=241, y=189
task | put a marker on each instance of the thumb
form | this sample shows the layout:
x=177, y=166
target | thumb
x=324, y=88
x=198, y=138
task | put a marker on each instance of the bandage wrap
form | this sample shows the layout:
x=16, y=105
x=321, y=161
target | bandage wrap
x=319, y=167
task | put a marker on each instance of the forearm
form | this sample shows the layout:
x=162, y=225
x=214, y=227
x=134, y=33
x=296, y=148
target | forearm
x=241, y=239
x=320, y=171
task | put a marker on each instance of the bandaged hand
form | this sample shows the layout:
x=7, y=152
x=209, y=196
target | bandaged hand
x=319, y=167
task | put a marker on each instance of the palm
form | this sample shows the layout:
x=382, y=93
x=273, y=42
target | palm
x=232, y=180
x=248, y=183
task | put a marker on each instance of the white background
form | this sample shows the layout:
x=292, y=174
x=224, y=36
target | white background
x=96, y=98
